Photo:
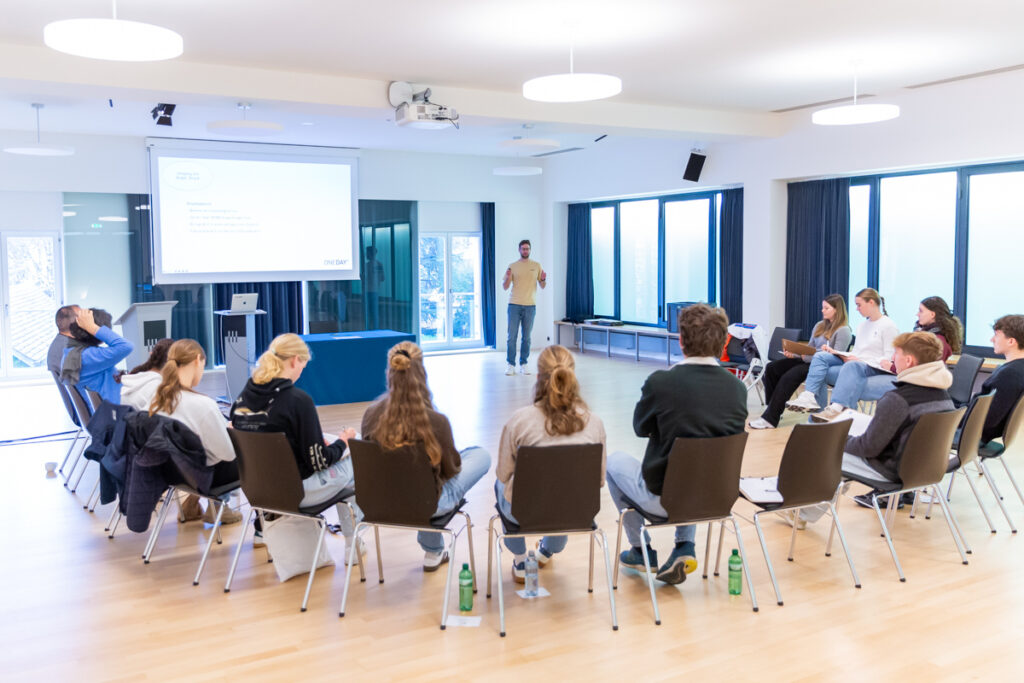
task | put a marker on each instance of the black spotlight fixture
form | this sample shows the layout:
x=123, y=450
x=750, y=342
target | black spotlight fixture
x=162, y=114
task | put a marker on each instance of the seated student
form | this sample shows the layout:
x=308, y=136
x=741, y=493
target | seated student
x=270, y=402
x=872, y=346
x=557, y=417
x=921, y=383
x=857, y=380
x=405, y=416
x=87, y=364
x=695, y=398
x=55, y=354
x=138, y=385
x=176, y=397
x=782, y=377
x=1008, y=379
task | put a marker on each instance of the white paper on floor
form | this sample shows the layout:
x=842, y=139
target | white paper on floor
x=541, y=593
x=460, y=620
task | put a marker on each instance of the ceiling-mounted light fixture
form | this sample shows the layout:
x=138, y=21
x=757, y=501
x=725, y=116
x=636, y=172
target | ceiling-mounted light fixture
x=113, y=39
x=572, y=87
x=38, y=149
x=852, y=114
x=244, y=126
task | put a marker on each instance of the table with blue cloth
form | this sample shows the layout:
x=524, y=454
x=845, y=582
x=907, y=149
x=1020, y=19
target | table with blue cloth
x=348, y=367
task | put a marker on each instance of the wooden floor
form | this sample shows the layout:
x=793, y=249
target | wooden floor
x=78, y=606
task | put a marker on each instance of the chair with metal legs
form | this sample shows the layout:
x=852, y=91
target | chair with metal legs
x=922, y=466
x=809, y=475
x=997, y=451
x=965, y=372
x=557, y=493
x=84, y=409
x=701, y=485
x=271, y=483
x=78, y=432
x=397, y=490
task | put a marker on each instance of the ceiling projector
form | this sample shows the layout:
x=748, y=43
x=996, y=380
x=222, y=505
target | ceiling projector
x=415, y=110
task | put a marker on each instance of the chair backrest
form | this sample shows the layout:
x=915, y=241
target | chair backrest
x=775, y=344
x=557, y=488
x=974, y=422
x=734, y=350
x=812, y=463
x=94, y=399
x=82, y=407
x=396, y=486
x=1014, y=424
x=965, y=372
x=925, y=455
x=66, y=398
x=702, y=480
x=267, y=469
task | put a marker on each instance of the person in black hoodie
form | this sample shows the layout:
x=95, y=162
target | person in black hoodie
x=270, y=402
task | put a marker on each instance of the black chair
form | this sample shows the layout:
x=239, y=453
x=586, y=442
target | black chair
x=271, y=483
x=922, y=465
x=396, y=489
x=84, y=410
x=996, y=451
x=65, y=397
x=775, y=344
x=965, y=372
x=557, y=492
x=701, y=485
x=809, y=475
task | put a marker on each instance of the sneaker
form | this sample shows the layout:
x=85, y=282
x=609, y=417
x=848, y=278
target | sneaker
x=792, y=519
x=804, y=403
x=761, y=423
x=519, y=572
x=433, y=561
x=680, y=563
x=524, y=370
x=191, y=510
x=864, y=500
x=833, y=411
x=510, y=370
x=257, y=540
x=361, y=551
x=542, y=555
x=634, y=558
x=229, y=516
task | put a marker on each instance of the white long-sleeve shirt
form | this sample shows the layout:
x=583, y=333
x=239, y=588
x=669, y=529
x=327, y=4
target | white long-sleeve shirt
x=874, y=340
x=201, y=415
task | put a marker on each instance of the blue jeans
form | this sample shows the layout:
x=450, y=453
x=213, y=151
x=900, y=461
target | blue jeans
x=626, y=481
x=854, y=380
x=325, y=484
x=824, y=370
x=475, y=463
x=519, y=316
x=552, y=544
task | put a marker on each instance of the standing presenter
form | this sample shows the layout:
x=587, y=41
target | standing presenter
x=523, y=275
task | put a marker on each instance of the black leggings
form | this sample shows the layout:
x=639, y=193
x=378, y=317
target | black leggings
x=224, y=472
x=781, y=379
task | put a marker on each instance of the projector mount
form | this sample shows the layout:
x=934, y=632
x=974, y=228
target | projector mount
x=414, y=109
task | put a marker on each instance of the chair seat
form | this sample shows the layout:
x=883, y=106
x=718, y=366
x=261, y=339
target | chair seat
x=441, y=521
x=652, y=518
x=512, y=527
x=216, y=492
x=313, y=510
x=877, y=484
x=991, y=450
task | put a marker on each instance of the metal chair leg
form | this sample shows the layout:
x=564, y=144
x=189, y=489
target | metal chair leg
x=472, y=553
x=110, y=521
x=86, y=466
x=1012, y=479
x=448, y=577
x=618, y=551
x=983, y=468
x=355, y=541
x=74, y=465
x=238, y=550
x=743, y=559
x=608, y=577
x=707, y=551
x=74, y=442
x=352, y=552
x=151, y=544
x=650, y=576
x=792, y=536
x=322, y=523
x=117, y=520
x=888, y=539
x=767, y=559
x=490, y=552
x=995, y=487
x=92, y=494
x=974, y=490
x=590, y=578
x=721, y=537
x=954, y=526
x=209, y=542
x=842, y=540
x=501, y=586
x=380, y=563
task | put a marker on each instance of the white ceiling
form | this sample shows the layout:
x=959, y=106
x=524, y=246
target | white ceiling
x=691, y=70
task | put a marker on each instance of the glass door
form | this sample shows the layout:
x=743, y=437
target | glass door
x=31, y=295
x=450, y=289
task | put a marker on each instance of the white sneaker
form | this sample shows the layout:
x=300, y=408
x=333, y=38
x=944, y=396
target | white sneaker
x=542, y=556
x=432, y=561
x=510, y=370
x=833, y=411
x=524, y=370
x=361, y=549
x=804, y=403
x=761, y=423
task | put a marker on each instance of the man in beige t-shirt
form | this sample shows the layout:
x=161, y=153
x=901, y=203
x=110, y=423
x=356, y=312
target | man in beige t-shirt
x=523, y=275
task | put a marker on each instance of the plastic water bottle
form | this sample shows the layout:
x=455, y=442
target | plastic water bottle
x=735, y=573
x=532, y=583
x=465, y=589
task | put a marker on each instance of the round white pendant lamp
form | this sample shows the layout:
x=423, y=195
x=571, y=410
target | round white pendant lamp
x=113, y=39
x=37, y=148
x=854, y=114
x=572, y=86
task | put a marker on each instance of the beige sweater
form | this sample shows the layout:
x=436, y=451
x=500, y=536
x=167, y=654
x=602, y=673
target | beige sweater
x=526, y=428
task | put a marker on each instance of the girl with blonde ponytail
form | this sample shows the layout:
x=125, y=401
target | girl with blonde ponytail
x=270, y=402
x=176, y=398
x=405, y=416
x=557, y=417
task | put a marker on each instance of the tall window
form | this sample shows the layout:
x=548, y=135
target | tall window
x=686, y=250
x=860, y=197
x=638, y=300
x=602, y=240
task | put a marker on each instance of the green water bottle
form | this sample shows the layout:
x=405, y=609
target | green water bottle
x=465, y=589
x=735, y=573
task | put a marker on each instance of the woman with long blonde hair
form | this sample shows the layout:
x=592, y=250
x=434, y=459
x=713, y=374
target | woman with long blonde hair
x=558, y=416
x=270, y=402
x=176, y=398
x=405, y=416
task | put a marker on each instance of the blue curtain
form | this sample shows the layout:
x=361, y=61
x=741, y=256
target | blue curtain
x=579, y=274
x=731, y=254
x=817, y=248
x=488, y=306
x=281, y=300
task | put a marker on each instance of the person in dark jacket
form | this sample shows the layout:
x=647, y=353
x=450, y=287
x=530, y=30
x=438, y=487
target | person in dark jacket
x=270, y=402
x=696, y=398
x=1008, y=380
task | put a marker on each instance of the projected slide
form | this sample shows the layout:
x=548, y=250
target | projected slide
x=243, y=219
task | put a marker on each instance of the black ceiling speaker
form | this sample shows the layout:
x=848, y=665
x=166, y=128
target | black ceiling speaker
x=162, y=114
x=694, y=167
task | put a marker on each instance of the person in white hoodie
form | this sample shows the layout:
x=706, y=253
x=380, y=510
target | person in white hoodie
x=138, y=385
